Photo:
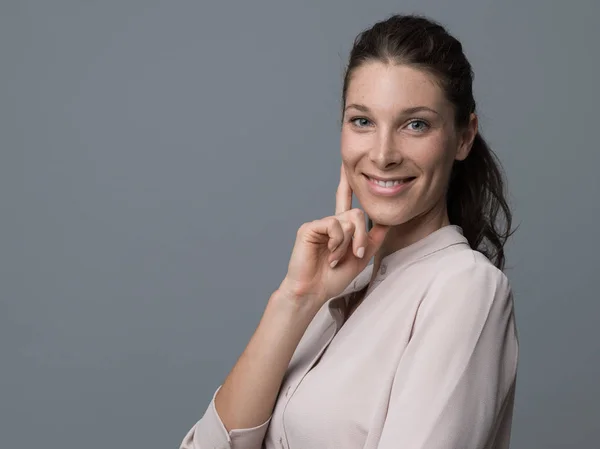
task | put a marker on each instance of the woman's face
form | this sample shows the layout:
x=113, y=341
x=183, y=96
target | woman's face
x=399, y=142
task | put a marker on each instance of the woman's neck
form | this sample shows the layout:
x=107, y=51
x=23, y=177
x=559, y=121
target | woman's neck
x=406, y=234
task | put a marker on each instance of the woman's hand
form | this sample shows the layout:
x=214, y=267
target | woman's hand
x=329, y=253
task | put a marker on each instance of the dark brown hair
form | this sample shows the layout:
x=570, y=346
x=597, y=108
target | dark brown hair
x=476, y=193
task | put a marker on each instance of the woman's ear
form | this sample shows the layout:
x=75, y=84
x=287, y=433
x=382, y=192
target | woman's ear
x=467, y=138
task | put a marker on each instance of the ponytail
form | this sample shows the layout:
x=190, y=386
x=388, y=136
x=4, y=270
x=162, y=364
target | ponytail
x=476, y=202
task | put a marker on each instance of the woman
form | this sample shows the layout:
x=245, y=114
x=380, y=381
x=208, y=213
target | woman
x=419, y=349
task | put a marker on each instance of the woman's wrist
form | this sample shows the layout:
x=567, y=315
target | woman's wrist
x=289, y=300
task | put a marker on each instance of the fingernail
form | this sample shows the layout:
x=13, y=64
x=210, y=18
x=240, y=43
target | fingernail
x=333, y=264
x=361, y=252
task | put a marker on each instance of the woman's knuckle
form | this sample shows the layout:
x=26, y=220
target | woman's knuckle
x=358, y=213
x=347, y=225
x=303, y=228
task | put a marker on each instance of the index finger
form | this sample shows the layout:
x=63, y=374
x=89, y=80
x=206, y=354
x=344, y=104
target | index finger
x=343, y=196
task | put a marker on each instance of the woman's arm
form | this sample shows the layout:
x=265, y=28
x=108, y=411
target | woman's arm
x=455, y=383
x=248, y=394
x=239, y=414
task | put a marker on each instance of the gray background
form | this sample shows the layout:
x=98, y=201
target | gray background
x=157, y=158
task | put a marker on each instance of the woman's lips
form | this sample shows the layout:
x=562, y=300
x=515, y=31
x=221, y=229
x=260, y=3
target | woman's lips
x=390, y=187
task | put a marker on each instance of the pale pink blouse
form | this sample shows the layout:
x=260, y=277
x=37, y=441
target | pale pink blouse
x=427, y=361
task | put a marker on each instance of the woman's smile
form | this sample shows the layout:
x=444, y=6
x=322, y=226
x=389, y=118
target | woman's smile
x=388, y=186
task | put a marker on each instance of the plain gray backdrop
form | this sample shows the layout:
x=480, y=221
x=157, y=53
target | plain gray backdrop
x=157, y=158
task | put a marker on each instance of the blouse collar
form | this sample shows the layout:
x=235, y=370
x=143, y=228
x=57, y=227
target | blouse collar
x=442, y=238
x=436, y=241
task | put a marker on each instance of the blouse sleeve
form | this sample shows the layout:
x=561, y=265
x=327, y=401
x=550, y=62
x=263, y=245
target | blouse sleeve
x=454, y=384
x=210, y=433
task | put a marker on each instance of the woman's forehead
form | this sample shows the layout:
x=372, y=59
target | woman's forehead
x=384, y=86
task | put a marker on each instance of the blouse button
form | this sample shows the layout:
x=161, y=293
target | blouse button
x=383, y=269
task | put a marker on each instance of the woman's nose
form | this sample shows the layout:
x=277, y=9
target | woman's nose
x=386, y=152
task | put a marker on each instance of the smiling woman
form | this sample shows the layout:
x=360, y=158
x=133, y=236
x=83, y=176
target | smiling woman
x=423, y=107
x=392, y=141
x=419, y=349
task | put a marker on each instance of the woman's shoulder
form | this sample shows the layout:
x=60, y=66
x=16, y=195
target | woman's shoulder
x=466, y=272
x=463, y=260
x=446, y=255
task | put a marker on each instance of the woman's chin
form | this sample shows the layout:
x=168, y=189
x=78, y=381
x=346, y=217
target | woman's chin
x=388, y=220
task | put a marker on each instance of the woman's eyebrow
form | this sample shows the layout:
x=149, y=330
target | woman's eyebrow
x=407, y=111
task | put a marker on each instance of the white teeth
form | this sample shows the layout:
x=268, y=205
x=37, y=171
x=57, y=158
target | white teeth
x=387, y=184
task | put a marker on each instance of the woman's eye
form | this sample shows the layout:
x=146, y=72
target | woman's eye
x=361, y=122
x=418, y=125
